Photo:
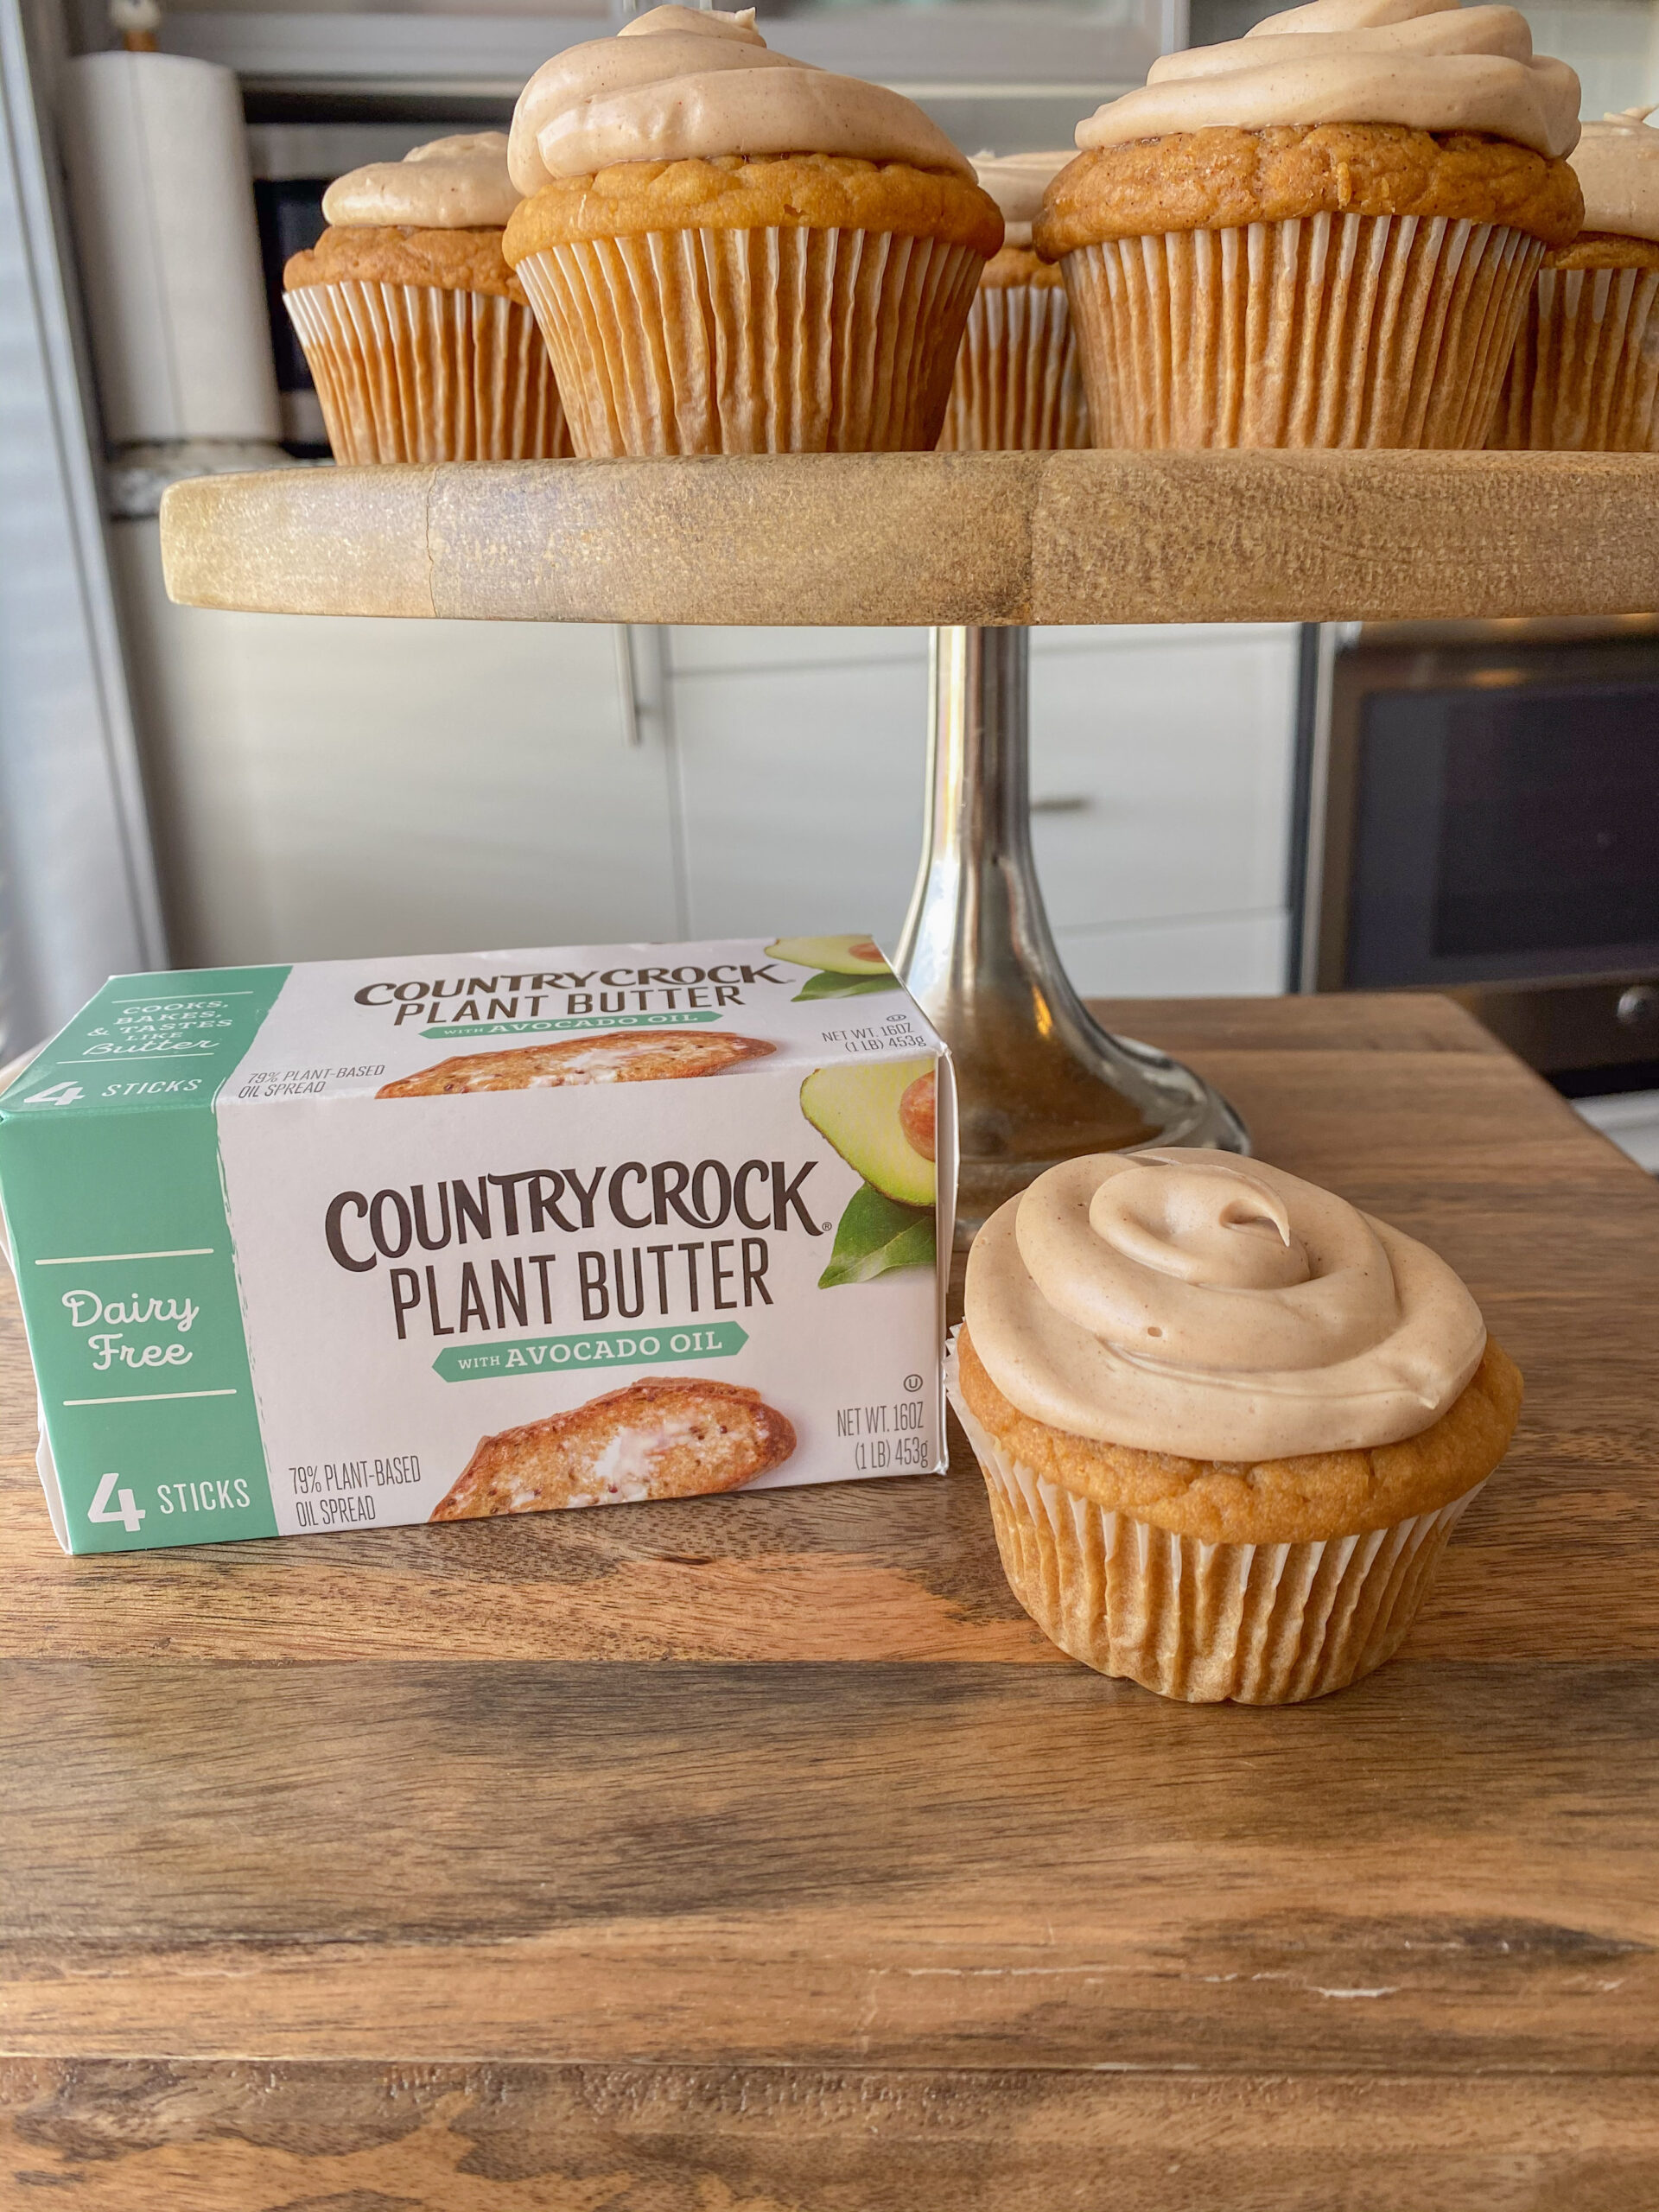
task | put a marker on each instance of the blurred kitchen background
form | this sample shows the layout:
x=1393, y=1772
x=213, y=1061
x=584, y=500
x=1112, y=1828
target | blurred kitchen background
x=1472, y=807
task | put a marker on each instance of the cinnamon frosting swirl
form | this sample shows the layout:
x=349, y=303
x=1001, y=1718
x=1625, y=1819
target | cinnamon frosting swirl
x=1017, y=183
x=683, y=84
x=449, y=184
x=1428, y=65
x=1616, y=161
x=1189, y=1302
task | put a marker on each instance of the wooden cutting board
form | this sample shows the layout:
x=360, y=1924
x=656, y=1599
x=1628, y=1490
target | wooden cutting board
x=758, y=1854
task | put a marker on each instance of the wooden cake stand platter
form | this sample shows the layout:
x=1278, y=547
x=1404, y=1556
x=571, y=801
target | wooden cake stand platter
x=978, y=546
x=925, y=538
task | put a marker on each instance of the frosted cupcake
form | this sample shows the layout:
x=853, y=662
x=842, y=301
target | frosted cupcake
x=418, y=336
x=1585, y=373
x=1324, y=233
x=731, y=253
x=1018, y=384
x=1227, y=1423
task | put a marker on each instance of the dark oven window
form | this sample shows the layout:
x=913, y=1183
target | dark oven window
x=1505, y=830
x=290, y=220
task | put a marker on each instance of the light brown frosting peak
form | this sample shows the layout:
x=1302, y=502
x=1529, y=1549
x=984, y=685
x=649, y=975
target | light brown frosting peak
x=1189, y=1302
x=1017, y=183
x=448, y=184
x=1617, y=162
x=1430, y=65
x=682, y=84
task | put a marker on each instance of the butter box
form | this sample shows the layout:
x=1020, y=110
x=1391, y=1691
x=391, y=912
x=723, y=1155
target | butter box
x=371, y=1242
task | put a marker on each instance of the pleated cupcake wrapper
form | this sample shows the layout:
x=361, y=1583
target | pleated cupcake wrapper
x=1260, y=1623
x=1322, y=330
x=1019, y=382
x=413, y=373
x=1584, y=377
x=766, y=341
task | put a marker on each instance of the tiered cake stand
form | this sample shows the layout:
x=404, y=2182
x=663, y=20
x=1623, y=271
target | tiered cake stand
x=978, y=546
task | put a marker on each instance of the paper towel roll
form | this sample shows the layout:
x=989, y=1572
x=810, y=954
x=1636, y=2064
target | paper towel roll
x=163, y=204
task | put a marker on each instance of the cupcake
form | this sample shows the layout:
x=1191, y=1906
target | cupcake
x=1585, y=373
x=1227, y=1423
x=731, y=253
x=1018, y=383
x=417, y=333
x=1324, y=233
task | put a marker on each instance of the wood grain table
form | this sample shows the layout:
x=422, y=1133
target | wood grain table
x=757, y=1855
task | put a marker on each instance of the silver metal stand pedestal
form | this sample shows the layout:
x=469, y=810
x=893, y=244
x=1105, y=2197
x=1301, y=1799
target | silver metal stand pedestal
x=1039, y=1080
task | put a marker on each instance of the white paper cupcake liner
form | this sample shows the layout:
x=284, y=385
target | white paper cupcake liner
x=1019, y=383
x=1257, y=1624
x=415, y=372
x=766, y=341
x=1584, y=377
x=1321, y=330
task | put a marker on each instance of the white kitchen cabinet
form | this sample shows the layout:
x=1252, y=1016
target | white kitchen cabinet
x=1161, y=778
x=1227, y=955
x=801, y=783
x=718, y=651
x=324, y=787
x=1161, y=773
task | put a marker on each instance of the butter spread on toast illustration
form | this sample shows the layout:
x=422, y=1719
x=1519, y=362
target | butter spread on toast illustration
x=664, y=1436
x=613, y=1056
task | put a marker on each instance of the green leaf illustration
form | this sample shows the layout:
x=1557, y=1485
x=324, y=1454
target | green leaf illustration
x=874, y=1236
x=829, y=985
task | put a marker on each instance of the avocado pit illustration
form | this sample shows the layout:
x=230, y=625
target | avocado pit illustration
x=880, y=1119
x=919, y=1114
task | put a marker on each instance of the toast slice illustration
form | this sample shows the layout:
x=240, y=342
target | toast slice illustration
x=609, y=1056
x=664, y=1437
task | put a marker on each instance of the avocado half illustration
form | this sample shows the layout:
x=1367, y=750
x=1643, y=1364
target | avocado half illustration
x=879, y=1118
x=834, y=956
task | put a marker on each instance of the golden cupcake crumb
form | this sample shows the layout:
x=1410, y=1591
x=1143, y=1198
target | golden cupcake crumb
x=1604, y=249
x=817, y=192
x=1307, y=1499
x=1018, y=265
x=1221, y=178
x=449, y=261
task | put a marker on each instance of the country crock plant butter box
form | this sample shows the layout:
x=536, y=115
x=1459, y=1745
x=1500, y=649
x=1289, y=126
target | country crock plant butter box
x=366, y=1241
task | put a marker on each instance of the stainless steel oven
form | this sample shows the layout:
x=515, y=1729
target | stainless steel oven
x=1477, y=811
